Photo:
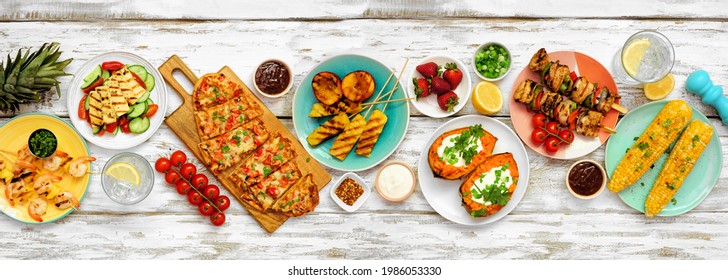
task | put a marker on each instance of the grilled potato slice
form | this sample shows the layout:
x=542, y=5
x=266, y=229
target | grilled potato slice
x=326, y=87
x=347, y=139
x=358, y=85
x=342, y=106
x=371, y=133
x=328, y=129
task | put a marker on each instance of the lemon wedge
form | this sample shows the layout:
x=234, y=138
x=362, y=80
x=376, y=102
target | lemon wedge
x=124, y=172
x=487, y=98
x=633, y=54
x=660, y=89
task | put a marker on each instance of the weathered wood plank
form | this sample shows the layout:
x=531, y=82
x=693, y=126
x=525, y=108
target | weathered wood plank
x=207, y=46
x=371, y=236
x=336, y=10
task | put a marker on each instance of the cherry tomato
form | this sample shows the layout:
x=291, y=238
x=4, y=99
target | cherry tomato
x=552, y=127
x=218, y=218
x=178, y=158
x=538, y=135
x=101, y=132
x=188, y=170
x=111, y=127
x=138, y=80
x=152, y=110
x=82, y=113
x=194, y=198
x=123, y=120
x=162, y=165
x=99, y=81
x=206, y=208
x=273, y=192
x=552, y=144
x=222, y=202
x=183, y=187
x=211, y=192
x=199, y=180
x=112, y=65
x=125, y=128
x=171, y=177
x=539, y=120
x=567, y=136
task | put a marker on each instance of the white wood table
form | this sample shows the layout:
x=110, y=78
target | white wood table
x=548, y=223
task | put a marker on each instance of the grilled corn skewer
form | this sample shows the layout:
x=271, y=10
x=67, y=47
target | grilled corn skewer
x=371, y=133
x=651, y=144
x=681, y=161
x=328, y=129
x=347, y=139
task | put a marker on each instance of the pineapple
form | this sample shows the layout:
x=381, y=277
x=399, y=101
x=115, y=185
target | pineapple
x=27, y=77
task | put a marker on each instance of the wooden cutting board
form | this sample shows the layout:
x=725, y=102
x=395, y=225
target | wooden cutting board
x=182, y=122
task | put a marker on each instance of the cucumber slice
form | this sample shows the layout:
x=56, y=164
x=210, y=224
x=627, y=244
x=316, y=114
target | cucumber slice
x=137, y=110
x=94, y=73
x=95, y=129
x=87, y=102
x=143, y=98
x=116, y=131
x=139, y=70
x=149, y=81
x=150, y=101
x=135, y=125
x=88, y=84
x=131, y=109
x=145, y=125
x=105, y=74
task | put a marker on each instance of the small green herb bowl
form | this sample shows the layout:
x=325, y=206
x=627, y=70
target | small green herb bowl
x=42, y=143
x=485, y=46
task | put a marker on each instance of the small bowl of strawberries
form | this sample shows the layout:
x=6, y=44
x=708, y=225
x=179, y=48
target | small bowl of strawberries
x=439, y=86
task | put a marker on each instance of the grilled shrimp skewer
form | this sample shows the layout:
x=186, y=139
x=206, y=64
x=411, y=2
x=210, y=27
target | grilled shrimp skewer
x=65, y=200
x=37, y=208
x=78, y=167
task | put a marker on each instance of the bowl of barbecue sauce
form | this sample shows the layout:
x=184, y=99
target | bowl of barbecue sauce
x=586, y=179
x=273, y=78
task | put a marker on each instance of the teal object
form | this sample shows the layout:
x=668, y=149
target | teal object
x=696, y=186
x=699, y=83
x=394, y=129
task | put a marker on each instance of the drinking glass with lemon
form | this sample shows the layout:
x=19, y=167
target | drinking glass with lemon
x=646, y=59
x=127, y=178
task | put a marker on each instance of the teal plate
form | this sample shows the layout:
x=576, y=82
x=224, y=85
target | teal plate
x=397, y=113
x=697, y=185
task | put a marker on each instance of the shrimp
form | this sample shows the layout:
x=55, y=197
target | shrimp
x=24, y=154
x=23, y=168
x=16, y=191
x=65, y=200
x=78, y=167
x=44, y=183
x=55, y=161
x=37, y=208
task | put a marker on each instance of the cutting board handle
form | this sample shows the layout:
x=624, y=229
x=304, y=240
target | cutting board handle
x=167, y=71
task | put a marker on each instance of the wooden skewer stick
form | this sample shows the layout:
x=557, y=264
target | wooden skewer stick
x=619, y=108
x=396, y=84
x=379, y=95
x=609, y=129
x=388, y=101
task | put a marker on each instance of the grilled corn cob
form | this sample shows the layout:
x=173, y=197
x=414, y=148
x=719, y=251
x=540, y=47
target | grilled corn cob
x=347, y=139
x=683, y=157
x=328, y=129
x=651, y=144
x=371, y=133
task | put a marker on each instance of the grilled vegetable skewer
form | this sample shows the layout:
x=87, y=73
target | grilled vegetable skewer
x=558, y=78
x=566, y=112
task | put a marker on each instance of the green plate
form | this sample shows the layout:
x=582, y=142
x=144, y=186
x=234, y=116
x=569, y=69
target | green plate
x=697, y=185
x=397, y=113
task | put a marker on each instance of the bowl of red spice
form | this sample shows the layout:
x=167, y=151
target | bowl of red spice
x=350, y=192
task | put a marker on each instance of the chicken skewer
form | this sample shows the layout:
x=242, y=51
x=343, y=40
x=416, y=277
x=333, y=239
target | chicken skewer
x=566, y=112
x=558, y=78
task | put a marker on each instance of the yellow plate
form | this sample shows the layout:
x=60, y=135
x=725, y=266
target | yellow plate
x=15, y=135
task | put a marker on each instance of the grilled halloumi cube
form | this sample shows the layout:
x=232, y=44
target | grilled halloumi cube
x=347, y=139
x=371, y=133
x=95, y=107
x=328, y=129
x=130, y=89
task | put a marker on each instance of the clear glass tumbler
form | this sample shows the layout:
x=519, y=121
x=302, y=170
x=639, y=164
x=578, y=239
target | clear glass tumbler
x=646, y=57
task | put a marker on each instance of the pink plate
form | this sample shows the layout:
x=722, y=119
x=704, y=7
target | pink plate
x=585, y=66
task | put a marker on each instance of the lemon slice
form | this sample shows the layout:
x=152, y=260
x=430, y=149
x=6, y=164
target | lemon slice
x=661, y=88
x=125, y=172
x=632, y=56
x=487, y=98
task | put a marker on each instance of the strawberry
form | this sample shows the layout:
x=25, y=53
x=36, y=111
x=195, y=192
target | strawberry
x=428, y=70
x=448, y=101
x=452, y=75
x=439, y=85
x=422, y=87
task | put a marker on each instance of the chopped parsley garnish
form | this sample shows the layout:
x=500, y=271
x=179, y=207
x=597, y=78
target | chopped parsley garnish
x=465, y=145
x=225, y=148
x=237, y=140
x=670, y=186
x=635, y=139
x=674, y=201
x=245, y=133
x=241, y=119
x=308, y=159
x=667, y=123
x=643, y=145
x=647, y=154
x=642, y=184
x=695, y=139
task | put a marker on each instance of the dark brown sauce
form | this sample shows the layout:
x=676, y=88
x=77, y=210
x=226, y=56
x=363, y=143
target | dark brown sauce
x=585, y=178
x=272, y=77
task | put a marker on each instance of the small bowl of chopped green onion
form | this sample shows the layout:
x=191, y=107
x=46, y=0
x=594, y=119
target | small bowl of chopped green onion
x=492, y=61
x=42, y=143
